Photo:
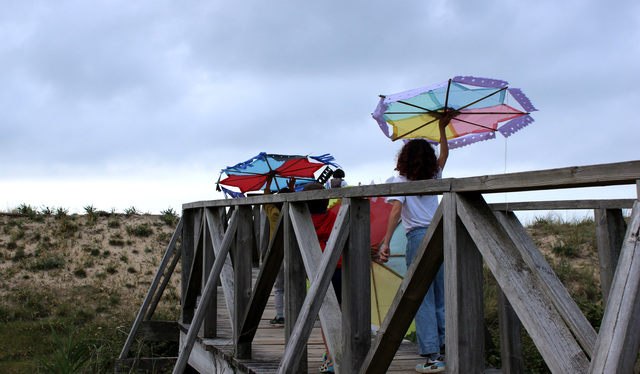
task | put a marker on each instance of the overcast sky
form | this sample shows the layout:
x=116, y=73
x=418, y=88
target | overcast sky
x=141, y=103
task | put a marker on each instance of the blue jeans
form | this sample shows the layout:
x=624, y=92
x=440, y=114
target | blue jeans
x=430, y=316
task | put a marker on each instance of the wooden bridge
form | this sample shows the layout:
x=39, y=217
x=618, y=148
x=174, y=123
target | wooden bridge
x=220, y=251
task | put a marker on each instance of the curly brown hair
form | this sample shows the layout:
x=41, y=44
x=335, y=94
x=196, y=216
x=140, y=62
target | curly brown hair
x=417, y=160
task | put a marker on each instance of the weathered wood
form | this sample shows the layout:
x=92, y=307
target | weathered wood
x=525, y=282
x=465, y=331
x=510, y=336
x=218, y=355
x=554, y=289
x=208, y=292
x=570, y=177
x=165, y=281
x=320, y=268
x=414, y=286
x=619, y=337
x=356, y=287
x=295, y=290
x=209, y=324
x=610, y=231
x=194, y=282
x=152, y=290
x=266, y=278
x=188, y=253
x=538, y=315
x=216, y=223
x=255, y=251
x=243, y=256
x=264, y=234
x=564, y=205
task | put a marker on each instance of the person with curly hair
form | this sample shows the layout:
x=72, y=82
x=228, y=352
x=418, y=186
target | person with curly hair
x=417, y=160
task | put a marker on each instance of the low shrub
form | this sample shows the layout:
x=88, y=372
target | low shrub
x=142, y=230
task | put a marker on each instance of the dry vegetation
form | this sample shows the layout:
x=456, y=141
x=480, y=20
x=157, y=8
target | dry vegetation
x=84, y=275
x=84, y=278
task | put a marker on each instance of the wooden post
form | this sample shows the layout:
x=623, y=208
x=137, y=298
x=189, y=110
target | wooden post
x=264, y=234
x=209, y=324
x=216, y=223
x=464, y=298
x=320, y=268
x=510, y=336
x=255, y=251
x=619, y=337
x=242, y=276
x=356, y=287
x=194, y=283
x=188, y=253
x=610, y=230
x=538, y=315
x=295, y=287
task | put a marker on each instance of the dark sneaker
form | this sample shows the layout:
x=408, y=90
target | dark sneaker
x=431, y=366
x=277, y=321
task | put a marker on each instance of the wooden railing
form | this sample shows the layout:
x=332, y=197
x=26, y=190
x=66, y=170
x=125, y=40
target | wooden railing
x=219, y=243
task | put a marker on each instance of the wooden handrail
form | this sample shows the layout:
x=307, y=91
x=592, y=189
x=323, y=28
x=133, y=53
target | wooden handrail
x=621, y=173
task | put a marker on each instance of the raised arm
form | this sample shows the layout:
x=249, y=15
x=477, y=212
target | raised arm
x=444, y=145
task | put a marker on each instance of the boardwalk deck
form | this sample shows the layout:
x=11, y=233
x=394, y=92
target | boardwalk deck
x=463, y=224
x=268, y=347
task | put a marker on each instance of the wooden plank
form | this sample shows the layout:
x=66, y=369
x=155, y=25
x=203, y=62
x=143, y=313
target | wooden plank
x=465, y=331
x=194, y=281
x=208, y=292
x=188, y=252
x=255, y=251
x=264, y=283
x=163, y=285
x=356, y=286
x=571, y=177
x=564, y=205
x=610, y=231
x=510, y=336
x=320, y=268
x=243, y=256
x=545, y=326
x=418, y=278
x=264, y=233
x=619, y=337
x=554, y=289
x=216, y=223
x=295, y=290
x=209, y=324
x=152, y=290
x=217, y=355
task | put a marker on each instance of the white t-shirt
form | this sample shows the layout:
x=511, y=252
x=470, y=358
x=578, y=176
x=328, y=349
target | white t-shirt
x=417, y=211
